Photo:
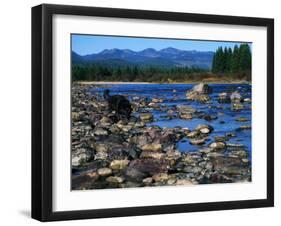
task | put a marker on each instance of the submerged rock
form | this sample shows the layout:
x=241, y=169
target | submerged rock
x=235, y=145
x=185, y=115
x=236, y=97
x=241, y=153
x=197, y=141
x=206, y=150
x=247, y=100
x=242, y=119
x=244, y=127
x=232, y=134
x=193, y=134
x=185, y=112
x=207, y=117
x=193, y=95
x=186, y=108
x=221, y=138
x=224, y=98
x=217, y=145
x=204, y=129
x=171, y=114
x=157, y=100
x=146, y=117
x=237, y=107
x=214, y=155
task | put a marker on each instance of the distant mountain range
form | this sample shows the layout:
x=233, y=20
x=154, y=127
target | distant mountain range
x=168, y=57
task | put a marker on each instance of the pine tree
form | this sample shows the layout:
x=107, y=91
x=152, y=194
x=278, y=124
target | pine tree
x=214, y=63
x=220, y=61
x=118, y=72
x=228, y=60
x=245, y=57
x=135, y=71
x=225, y=60
x=235, y=60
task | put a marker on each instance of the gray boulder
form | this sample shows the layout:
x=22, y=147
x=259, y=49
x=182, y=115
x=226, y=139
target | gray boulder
x=202, y=88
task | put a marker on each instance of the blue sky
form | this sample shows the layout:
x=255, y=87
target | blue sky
x=87, y=44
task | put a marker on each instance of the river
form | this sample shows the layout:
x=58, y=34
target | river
x=175, y=94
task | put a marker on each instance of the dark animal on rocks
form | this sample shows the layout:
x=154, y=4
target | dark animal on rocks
x=119, y=104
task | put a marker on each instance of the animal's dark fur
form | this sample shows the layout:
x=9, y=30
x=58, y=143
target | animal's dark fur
x=119, y=104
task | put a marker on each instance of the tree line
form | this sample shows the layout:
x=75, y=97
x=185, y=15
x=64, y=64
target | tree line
x=133, y=73
x=238, y=60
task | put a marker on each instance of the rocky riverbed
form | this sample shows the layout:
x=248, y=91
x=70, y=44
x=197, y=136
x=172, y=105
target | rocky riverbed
x=107, y=153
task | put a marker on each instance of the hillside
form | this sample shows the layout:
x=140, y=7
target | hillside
x=168, y=57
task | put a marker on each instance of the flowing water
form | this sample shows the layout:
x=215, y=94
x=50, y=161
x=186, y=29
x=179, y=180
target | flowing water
x=175, y=94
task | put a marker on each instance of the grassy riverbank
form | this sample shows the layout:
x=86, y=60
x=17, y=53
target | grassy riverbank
x=214, y=81
x=210, y=78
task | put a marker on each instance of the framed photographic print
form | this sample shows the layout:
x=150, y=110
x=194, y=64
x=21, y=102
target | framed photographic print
x=146, y=112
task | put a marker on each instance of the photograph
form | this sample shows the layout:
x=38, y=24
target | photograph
x=148, y=112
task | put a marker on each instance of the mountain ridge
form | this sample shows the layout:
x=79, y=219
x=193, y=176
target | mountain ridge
x=167, y=57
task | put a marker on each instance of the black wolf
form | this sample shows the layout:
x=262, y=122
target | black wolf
x=119, y=104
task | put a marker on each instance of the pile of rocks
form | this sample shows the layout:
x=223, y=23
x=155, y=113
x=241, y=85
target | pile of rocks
x=186, y=112
x=235, y=98
x=129, y=153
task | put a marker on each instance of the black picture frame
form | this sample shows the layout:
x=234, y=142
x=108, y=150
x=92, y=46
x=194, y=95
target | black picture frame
x=42, y=111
